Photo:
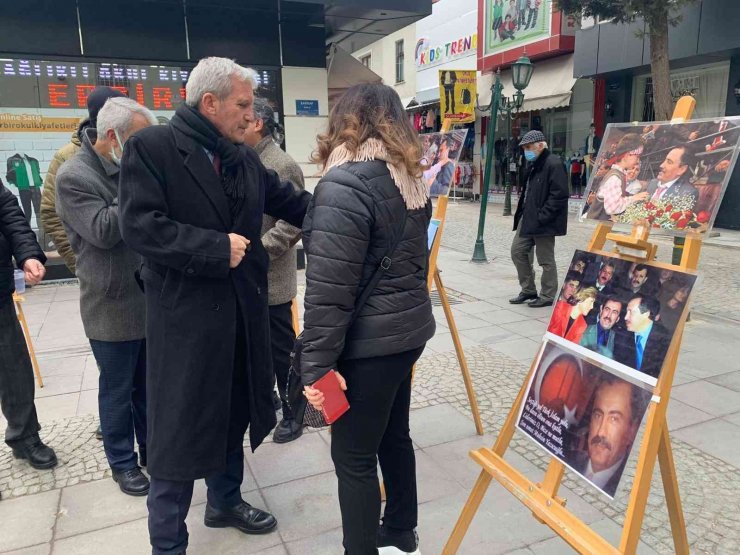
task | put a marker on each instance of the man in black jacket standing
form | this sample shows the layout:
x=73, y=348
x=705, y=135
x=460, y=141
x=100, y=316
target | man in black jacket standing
x=16, y=373
x=541, y=215
x=192, y=199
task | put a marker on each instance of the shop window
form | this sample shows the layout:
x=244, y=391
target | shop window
x=399, y=61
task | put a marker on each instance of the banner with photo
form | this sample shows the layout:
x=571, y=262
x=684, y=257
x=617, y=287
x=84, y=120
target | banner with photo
x=583, y=415
x=457, y=94
x=621, y=313
x=669, y=176
x=511, y=23
x=440, y=154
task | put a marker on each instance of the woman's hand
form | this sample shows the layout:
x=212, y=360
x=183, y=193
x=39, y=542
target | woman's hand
x=316, y=397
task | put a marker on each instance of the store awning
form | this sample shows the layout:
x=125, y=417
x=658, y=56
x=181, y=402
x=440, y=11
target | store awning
x=407, y=100
x=345, y=71
x=551, y=85
x=427, y=96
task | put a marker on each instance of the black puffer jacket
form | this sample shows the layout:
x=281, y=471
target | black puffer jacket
x=16, y=240
x=355, y=212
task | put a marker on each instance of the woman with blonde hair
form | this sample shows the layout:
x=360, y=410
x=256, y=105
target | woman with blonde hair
x=369, y=217
x=568, y=320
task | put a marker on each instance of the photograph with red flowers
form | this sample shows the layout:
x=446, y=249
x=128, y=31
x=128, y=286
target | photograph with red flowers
x=622, y=313
x=584, y=415
x=668, y=176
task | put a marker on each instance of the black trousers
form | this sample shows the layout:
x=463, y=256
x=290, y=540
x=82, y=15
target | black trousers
x=282, y=338
x=376, y=428
x=30, y=198
x=16, y=378
x=169, y=500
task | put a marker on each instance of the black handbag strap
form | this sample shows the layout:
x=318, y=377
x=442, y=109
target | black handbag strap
x=385, y=263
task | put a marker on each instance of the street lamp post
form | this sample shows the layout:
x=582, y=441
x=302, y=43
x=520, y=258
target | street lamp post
x=521, y=73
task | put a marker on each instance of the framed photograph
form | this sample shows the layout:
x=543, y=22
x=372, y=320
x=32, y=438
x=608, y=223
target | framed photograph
x=621, y=313
x=440, y=154
x=669, y=176
x=583, y=415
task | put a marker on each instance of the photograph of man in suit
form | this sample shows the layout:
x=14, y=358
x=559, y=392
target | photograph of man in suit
x=615, y=418
x=644, y=344
x=605, y=286
x=640, y=279
x=599, y=337
x=673, y=177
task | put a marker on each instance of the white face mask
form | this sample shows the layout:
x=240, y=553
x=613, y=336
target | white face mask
x=113, y=156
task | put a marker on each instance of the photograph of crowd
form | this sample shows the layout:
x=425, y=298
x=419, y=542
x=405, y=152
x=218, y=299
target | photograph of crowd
x=440, y=154
x=583, y=415
x=624, y=311
x=663, y=175
x=516, y=21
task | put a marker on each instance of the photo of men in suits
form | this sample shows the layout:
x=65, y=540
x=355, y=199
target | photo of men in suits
x=644, y=344
x=599, y=337
x=672, y=179
x=616, y=413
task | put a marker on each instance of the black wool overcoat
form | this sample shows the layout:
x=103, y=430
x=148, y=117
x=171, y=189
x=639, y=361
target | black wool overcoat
x=175, y=213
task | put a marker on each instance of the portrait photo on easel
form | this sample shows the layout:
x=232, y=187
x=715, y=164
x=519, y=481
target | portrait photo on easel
x=440, y=154
x=622, y=313
x=584, y=415
x=668, y=176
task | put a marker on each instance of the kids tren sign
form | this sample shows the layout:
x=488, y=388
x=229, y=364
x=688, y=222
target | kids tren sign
x=428, y=55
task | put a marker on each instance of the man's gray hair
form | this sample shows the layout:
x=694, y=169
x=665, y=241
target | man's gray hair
x=118, y=114
x=213, y=75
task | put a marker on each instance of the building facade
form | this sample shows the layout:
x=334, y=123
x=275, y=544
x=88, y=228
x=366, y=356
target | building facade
x=704, y=61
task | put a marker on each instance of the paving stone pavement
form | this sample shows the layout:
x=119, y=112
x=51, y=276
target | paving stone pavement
x=717, y=293
x=76, y=509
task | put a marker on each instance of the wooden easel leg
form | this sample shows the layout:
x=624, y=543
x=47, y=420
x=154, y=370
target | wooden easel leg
x=467, y=514
x=29, y=342
x=672, y=497
x=460, y=353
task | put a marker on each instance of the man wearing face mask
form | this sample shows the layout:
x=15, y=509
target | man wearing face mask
x=111, y=302
x=541, y=215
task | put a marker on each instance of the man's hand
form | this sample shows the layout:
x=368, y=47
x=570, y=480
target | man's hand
x=239, y=246
x=34, y=271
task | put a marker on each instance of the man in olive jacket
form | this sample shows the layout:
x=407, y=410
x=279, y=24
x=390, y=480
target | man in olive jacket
x=541, y=215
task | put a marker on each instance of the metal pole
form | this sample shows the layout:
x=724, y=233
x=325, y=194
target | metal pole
x=507, y=191
x=479, y=252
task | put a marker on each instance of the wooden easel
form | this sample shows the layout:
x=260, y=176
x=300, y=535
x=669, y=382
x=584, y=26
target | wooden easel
x=542, y=498
x=18, y=299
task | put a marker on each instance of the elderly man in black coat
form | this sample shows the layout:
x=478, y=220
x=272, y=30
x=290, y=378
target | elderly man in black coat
x=192, y=199
x=541, y=215
x=17, y=241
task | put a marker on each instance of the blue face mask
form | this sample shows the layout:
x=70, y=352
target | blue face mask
x=530, y=155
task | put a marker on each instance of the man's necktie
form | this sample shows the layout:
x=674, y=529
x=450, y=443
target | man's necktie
x=217, y=164
x=640, y=350
x=658, y=193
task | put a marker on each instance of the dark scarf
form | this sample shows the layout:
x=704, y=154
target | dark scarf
x=192, y=123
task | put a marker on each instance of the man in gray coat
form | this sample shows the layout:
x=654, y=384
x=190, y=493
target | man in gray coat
x=111, y=302
x=265, y=134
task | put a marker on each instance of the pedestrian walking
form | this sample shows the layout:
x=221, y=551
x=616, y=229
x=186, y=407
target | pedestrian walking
x=18, y=242
x=541, y=215
x=111, y=302
x=192, y=201
x=370, y=209
x=265, y=134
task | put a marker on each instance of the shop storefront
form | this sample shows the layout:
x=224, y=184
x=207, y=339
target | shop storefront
x=704, y=64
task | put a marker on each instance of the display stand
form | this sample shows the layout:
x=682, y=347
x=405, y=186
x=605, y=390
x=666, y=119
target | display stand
x=542, y=498
x=18, y=299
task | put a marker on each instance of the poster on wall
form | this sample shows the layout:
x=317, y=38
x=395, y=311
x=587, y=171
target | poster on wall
x=457, y=94
x=583, y=415
x=440, y=154
x=662, y=175
x=511, y=23
x=621, y=313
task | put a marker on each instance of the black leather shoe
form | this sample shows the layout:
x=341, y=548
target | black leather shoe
x=288, y=430
x=243, y=517
x=99, y=433
x=523, y=298
x=539, y=302
x=39, y=455
x=132, y=482
x=276, y=402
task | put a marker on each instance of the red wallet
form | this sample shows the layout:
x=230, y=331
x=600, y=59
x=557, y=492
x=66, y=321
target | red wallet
x=335, y=401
